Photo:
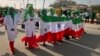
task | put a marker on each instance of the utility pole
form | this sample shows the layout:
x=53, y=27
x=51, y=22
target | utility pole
x=20, y=5
x=14, y=5
x=27, y=1
x=23, y=4
x=43, y=4
x=35, y=3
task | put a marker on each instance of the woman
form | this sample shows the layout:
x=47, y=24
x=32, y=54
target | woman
x=30, y=37
x=10, y=21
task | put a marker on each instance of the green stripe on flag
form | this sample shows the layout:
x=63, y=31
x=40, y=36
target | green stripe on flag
x=54, y=19
x=77, y=20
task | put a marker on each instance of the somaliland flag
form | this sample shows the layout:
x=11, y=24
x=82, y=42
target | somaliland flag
x=45, y=33
x=77, y=27
x=67, y=27
x=55, y=27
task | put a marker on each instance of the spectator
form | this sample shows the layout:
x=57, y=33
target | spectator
x=93, y=16
x=98, y=18
x=87, y=16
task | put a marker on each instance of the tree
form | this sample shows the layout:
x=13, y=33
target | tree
x=62, y=3
x=95, y=8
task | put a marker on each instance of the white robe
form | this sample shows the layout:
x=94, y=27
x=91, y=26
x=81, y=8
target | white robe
x=29, y=27
x=8, y=22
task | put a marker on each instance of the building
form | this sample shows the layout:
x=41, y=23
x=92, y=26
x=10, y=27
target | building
x=77, y=6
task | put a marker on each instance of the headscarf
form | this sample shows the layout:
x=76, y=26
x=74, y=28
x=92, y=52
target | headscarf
x=58, y=12
x=69, y=12
x=44, y=12
x=4, y=13
x=29, y=10
x=52, y=11
x=11, y=12
x=0, y=10
x=78, y=12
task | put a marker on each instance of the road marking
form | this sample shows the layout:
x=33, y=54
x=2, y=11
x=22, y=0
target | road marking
x=51, y=52
x=82, y=46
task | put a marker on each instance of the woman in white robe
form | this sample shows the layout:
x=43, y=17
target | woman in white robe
x=10, y=22
x=30, y=37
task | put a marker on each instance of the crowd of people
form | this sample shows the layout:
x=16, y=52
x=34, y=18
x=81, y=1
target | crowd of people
x=90, y=16
x=54, y=25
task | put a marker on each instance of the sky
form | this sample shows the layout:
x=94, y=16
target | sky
x=39, y=3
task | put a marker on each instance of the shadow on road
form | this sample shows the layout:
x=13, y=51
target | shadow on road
x=66, y=49
x=39, y=52
x=90, y=40
x=17, y=53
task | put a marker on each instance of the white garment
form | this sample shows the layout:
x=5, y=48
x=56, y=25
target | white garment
x=62, y=26
x=8, y=22
x=44, y=27
x=57, y=27
x=20, y=17
x=86, y=14
x=53, y=27
x=68, y=24
x=37, y=18
x=29, y=27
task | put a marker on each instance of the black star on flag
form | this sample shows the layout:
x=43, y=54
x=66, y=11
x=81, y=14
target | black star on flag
x=59, y=25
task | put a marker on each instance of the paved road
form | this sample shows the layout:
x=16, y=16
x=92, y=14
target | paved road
x=88, y=45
